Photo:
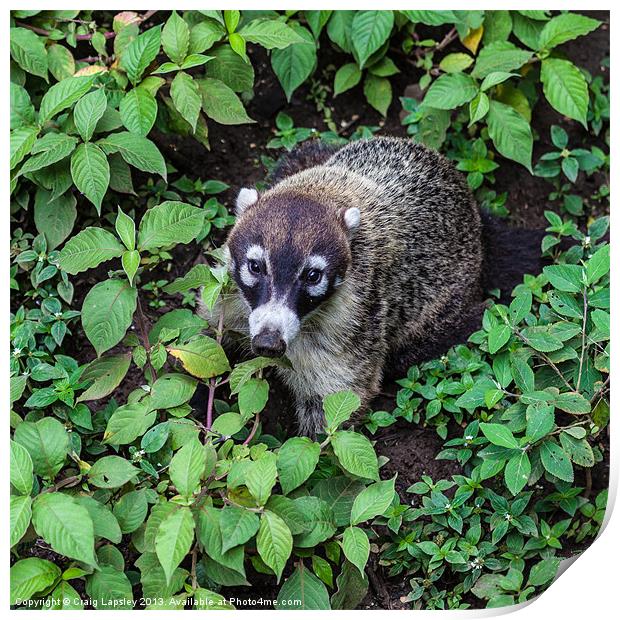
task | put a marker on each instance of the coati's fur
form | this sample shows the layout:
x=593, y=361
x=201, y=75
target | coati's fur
x=400, y=242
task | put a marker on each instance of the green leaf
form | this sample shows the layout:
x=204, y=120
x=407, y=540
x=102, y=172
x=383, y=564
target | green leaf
x=432, y=18
x=565, y=88
x=48, y=150
x=369, y=31
x=140, y=53
x=202, y=357
x=540, y=421
x=498, y=337
x=21, y=469
x=499, y=56
x=47, y=442
x=230, y=68
x=220, y=103
x=270, y=34
x=598, y=265
x=450, y=91
x=203, y=35
x=65, y=596
x=197, y=276
x=295, y=63
x=172, y=390
x=107, y=313
x=555, y=461
x=374, y=500
x=495, y=78
x=54, y=218
x=517, y=472
x=303, y=590
x=22, y=141
x=169, y=223
x=346, y=77
x=566, y=278
x=128, y=423
x=63, y=95
x=237, y=526
x=174, y=539
x=356, y=454
x=60, y=61
x=65, y=525
x=297, y=459
x=339, y=493
x=274, y=542
x=541, y=339
x=104, y=522
x=88, y=111
x=339, y=407
x=130, y=511
x=175, y=38
x=110, y=588
x=136, y=150
x=186, y=97
x=253, y=396
x=478, y=108
x=30, y=576
x=106, y=373
x=138, y=110
x=260, y=477
x=511, y=133
x=544, y=571
x=565, y=27
x=20, y=513
x=572, y=402
x=111, y=472
x=499, y=435
x=356, y=547
x=91, y=172
x=378, y=93
x=28, y=51
x=187, y=467
x=456, y=62
x=578, y=450
x=87, y=249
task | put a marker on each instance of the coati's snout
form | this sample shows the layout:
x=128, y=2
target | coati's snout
x=288, y=255
x=268, y=343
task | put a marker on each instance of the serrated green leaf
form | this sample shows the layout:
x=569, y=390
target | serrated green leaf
x=297, y=459
x=138, y=110
x=169, y=223
x=274, y=542
x=91, y=172
x=88, y=112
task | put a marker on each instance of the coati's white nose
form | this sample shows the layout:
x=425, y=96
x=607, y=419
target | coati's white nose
x=274, y=316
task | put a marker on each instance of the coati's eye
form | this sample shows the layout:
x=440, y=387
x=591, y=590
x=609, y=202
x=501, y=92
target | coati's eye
x=314, y=276
x=254, y=266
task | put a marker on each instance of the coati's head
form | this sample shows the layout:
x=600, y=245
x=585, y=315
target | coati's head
x=288, y=254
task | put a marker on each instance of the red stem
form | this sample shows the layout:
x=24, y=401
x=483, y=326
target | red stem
x=253, y=431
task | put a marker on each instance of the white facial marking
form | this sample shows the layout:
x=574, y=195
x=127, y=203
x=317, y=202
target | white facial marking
x=316, y=261
x=277, y=316
x=246, y=198
x=254, y=252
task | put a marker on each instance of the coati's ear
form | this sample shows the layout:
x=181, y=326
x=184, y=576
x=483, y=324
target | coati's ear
x=246, y=198
x=351, y=219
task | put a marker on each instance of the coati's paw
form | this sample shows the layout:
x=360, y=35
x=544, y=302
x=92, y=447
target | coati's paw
x=310, y=418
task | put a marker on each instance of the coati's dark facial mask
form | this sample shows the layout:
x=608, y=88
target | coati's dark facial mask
x=288, y=256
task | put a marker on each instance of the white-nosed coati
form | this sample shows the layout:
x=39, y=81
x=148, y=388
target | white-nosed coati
x=357, y=261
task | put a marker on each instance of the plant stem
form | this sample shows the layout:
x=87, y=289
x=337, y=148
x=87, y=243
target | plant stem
x=583, y=338
x=212, y=382
x=145, y=337
x=253, y=431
